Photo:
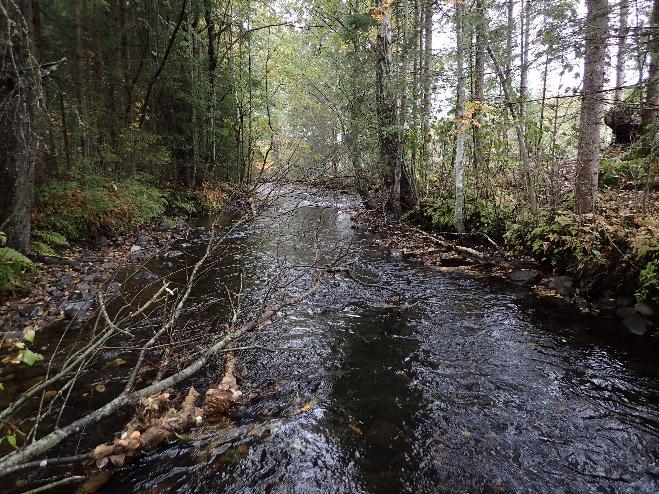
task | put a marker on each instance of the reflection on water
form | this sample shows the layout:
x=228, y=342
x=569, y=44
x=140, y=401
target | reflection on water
x=469, y=386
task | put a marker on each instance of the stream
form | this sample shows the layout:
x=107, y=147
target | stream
x=465, y=384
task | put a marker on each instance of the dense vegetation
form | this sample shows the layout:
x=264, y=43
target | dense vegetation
x=480, y=116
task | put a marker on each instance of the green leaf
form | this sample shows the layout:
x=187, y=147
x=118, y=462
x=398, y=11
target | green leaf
x=12, y=441
x=29, y=335
x=31, y=358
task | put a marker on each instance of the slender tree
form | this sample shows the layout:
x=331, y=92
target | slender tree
x=461, y=124
x=592, y=104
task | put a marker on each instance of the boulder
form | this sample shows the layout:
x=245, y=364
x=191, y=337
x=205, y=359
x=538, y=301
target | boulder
x=561, y=284
x=524, y=276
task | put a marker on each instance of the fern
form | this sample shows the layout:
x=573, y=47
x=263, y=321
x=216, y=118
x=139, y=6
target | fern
x=51, y=238
x=13, y=268
x=42, y=249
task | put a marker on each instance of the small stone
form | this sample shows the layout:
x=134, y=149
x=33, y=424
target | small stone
x=114, y=288
x=174, y=253
x=110, y=265
x=103, y=241
x=28, y=310
x=142, y=240
x=74, y=310
x=396, y=253
x=145, y=276
x=135, y=248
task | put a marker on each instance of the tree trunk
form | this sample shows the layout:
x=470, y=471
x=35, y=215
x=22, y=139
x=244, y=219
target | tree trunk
x=592, y=104
x=479, y=81
x=427, y=83
x=461, y=125
x=18, y=93
x=77, y=72
x=623, y=31
x=651, y=107
x=525, y=162
x=386, y=109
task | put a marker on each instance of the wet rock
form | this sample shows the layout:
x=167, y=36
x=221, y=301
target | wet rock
x=66, y=280
x=113, y=288
x=75, y=310
x=562, y=284
x=92, y=277
x=91, y=258
x=145, y=276
x=644, y=310
x=524, y=276
x=142, y=240
x=29, y=310
x=633, y=321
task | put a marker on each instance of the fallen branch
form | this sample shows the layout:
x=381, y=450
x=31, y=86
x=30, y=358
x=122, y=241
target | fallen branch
x=37, y=448
x=465, y=250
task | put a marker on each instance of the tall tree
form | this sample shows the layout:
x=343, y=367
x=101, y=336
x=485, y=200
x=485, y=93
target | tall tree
x=386, y=108
x=461, y=124
x=651, y=106
x=592, y=104
x=479, y=79
x=19, y=89
x=623, y=32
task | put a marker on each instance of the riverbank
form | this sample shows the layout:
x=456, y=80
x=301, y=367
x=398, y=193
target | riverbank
x=65, y=286
x=477, y=254
x=85, y=233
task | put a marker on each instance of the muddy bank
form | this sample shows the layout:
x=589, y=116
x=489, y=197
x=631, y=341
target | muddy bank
x=478, y=255
x=65, y=288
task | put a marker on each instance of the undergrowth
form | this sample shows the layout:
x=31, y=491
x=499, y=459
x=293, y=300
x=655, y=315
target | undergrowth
x=84, y=206
x=14, y=267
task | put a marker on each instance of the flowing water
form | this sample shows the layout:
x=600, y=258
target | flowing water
x=461, y=385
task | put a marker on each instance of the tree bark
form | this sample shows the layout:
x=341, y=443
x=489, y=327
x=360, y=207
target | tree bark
x=20, y=80
x=427, y=82
x=592, y=105
x=461, y=125
x=479, y=81
x=623, y=31
x=386, y=109
x=651, y=107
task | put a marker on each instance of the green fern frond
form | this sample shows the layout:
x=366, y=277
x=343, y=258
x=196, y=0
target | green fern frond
x=51, y=238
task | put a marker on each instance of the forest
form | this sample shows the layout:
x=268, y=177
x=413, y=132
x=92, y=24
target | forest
x=233, y=231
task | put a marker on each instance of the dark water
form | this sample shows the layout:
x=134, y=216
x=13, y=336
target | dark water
x=469, y=385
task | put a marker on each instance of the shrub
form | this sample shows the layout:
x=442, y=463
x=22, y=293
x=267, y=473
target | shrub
x=80, y=207
x=480, y=216
x=13, y=268
x=648, y=283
